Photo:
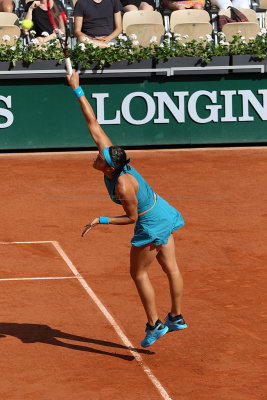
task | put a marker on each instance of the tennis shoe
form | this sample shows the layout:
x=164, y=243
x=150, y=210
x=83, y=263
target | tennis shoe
x=174, y=324
x=154, y=333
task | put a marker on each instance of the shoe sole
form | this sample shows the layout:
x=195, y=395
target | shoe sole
x=174, y=328
x=162, y=331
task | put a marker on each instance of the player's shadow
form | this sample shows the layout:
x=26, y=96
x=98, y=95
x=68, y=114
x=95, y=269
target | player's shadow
x=32, y=333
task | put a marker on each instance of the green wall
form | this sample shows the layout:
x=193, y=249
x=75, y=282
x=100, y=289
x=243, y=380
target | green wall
x=44, y=113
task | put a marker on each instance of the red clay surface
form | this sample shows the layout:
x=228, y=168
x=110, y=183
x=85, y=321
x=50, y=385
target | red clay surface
x=56, y=344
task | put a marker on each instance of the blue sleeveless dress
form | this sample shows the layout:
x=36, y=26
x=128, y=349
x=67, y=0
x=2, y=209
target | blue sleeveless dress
x=156, y=225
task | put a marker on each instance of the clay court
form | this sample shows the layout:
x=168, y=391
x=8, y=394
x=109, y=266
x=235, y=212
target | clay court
x=71, y=319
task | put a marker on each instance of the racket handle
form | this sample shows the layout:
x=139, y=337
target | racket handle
x=68, y=66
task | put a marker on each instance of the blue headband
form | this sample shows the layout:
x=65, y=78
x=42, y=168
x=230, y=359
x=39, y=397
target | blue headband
x=110, y=162
x=108, y=158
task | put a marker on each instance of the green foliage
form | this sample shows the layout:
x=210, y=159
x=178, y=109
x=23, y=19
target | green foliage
x=86, y=54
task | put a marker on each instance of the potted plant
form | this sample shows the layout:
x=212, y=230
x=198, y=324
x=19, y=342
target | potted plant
x=123, y=55
x=175, y=52
x=252, y=52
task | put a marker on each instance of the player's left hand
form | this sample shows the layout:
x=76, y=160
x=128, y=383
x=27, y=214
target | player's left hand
x=90, y=226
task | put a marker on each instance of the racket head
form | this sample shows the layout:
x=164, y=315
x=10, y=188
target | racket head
x=57, y=16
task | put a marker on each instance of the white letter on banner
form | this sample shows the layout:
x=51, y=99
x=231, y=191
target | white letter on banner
x=213, y=109
x=125, y=108
x=164, y=99
x=228, y=101
x=5, y=113
x=100, y=110
x=249, y=97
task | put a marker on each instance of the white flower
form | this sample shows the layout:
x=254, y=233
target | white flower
x=133, y=36
x=242, y=38
x=45, y=34
x=244, y=42
x=185, y=36
x=208, y=36
x=13, y=48
x=251, y=38
x=123, y=37
x=153, y=39
x=111, y=44
x=177, y=35
x=168, y=34
x=135, y=43
x=226, y=43
x=35, y=41
x=6, y=38
x=33, y=33
x=94, y=46
x=15, y=37
x=161, y=45
x=200, y=37
x=183, y=44
x=178, y=38
x=221, y=34
x=82, y=46
x=263, y=30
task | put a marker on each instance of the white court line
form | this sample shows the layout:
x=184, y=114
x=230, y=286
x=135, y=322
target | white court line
x=37, y=278
x=103, y=309
x=112, y=321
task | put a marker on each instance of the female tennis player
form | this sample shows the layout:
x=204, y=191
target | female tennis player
x=155, y=221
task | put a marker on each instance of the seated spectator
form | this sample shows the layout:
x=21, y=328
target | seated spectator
x=174, y=5
x=36, y=11
x=97, y=21
x=6, y=6
x=134, y=5
x=224, y=4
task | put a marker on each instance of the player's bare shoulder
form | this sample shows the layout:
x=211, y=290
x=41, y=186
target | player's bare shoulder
x=126, y=183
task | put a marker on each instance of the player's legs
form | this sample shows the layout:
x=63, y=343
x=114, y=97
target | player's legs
x=167, y=259
x=140, y=260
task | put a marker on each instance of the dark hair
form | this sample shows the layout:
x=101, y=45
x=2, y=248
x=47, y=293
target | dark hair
x=118, y=156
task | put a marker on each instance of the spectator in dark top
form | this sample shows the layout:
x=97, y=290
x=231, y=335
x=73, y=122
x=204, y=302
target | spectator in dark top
x=6, y=6
x=97, y=21
x=134, y=5
x=36, y=11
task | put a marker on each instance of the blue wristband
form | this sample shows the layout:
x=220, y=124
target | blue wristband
x=104, y=220
x=78, y=92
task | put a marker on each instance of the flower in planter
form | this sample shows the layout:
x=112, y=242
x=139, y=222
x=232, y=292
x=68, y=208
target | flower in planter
x=6, y=38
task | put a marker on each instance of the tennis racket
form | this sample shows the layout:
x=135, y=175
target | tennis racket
x=59, y=23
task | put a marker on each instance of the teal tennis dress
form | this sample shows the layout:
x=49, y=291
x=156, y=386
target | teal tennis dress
x=157, y=224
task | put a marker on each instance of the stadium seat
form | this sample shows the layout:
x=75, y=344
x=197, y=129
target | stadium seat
x=248, y=29
x=191, y=22
x=9, y=26
x=12, y=31
x=144, y=24
x=7, y=18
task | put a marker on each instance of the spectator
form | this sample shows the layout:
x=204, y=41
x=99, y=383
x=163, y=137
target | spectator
x=6, y=6
x=99, y=21
x=174, y=5
x=134, y=5
x=36, y=11
x=224, y=4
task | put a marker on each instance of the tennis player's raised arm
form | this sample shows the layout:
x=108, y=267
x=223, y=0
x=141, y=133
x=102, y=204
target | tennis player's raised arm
x=95, y=130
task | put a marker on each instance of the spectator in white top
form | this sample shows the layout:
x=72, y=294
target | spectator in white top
x=224, y=4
